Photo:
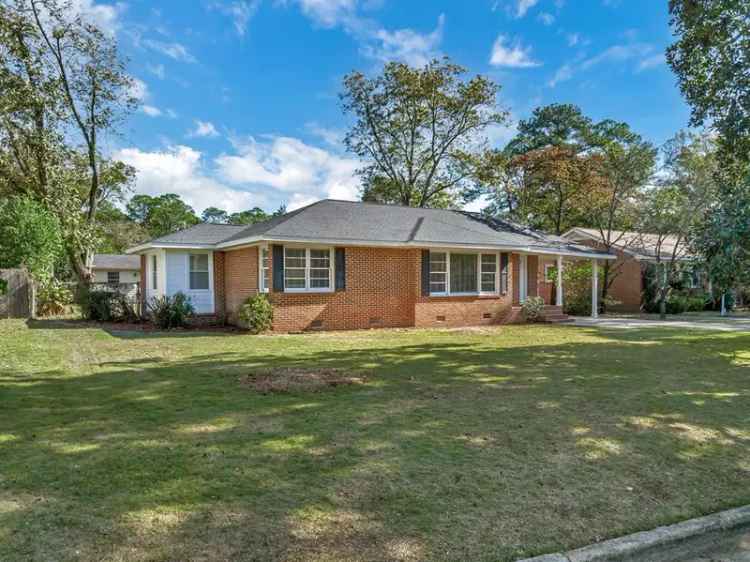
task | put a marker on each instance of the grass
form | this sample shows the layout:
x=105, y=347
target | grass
x=485, y=444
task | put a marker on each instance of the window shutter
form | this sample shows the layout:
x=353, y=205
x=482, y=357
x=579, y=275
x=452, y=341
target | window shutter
x=340, y=264
x=278, y=268
x=425, y=273
x=504, y=273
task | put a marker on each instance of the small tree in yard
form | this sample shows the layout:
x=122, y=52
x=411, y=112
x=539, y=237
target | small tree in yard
x=419, y=131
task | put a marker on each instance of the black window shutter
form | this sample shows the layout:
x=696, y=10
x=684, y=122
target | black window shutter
x=425, y=273
x=278, y=268
x=504, y=272
x=340, y=263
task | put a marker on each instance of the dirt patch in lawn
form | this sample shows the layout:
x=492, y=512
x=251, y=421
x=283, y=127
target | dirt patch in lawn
x=299, y=380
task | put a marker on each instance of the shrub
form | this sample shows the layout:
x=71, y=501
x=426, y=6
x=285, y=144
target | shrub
x=53, y=298
x=106, y=305
x=96, y=305
x=532, y=309
x=3, y=286
x=256, y=314
x=171, y=312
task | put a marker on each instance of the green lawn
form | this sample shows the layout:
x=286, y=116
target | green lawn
x=484, y=444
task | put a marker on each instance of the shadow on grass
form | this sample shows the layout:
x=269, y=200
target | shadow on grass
x=456, y=448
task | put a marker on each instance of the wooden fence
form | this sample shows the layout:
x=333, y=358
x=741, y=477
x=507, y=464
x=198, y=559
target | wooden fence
x=17, y=294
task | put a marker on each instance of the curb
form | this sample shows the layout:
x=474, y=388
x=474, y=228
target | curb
x=658, y=543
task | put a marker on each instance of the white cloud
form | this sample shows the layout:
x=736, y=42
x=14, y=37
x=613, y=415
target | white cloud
x=203, y=129
x=406, y=45
x=104, y=16
x=289, y=165
x=546, y=18
x=179, y=169
x=138, y=89
x=329, y=13
x=173, y=50
x=524, y=6
x=241, y=12
x=332, y=137
x=150, y=110
x=620, y=53
x=573, y=39
x=651, y=62
x=564, y=73
x=512, y=56
x=500, y=135
x=157, y=70
x=376, y=42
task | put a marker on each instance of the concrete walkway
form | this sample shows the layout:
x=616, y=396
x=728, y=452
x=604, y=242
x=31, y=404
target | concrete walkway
x=724, y=324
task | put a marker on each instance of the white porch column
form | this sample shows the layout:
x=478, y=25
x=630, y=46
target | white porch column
x=594, y=288
x=559, y=293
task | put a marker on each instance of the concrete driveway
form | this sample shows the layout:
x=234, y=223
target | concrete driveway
x=702, y=322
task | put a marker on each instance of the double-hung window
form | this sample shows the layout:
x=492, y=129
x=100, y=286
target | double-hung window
x=198, y=272
x=265, y=269
x=307, y=269
x=461, y=273
x=113, y=277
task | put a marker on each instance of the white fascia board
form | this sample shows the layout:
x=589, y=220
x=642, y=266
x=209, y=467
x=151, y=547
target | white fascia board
x=373, y=243
x=149, y=246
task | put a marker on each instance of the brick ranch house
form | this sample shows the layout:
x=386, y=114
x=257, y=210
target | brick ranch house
x=339, y=265
x=635, y=252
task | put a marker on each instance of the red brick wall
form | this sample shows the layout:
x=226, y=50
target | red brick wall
x=240, y=278
x=383, y=289
x=219, y=298
x=381, y=284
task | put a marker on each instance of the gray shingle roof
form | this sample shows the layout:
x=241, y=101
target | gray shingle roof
x=340, y=222
x=204, y=233
x=116, y=261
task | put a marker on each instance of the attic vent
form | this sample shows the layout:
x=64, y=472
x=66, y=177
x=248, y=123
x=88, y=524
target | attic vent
x=441, y=318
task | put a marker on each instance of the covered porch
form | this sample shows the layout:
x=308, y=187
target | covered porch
x=542, y=275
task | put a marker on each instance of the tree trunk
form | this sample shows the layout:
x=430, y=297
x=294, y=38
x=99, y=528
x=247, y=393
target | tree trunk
x=605, y=287
x=663, y=294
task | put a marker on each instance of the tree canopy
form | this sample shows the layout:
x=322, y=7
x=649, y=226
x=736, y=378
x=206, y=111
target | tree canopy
x=419, y=131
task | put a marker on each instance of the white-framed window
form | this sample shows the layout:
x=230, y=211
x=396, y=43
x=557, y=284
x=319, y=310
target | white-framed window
x=198, y=272
x=113, y=277
x=464, y=273
x=154, y=273
x=264, y=268
x=308, y=269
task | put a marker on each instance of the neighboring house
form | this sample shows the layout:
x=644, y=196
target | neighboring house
x=635, y=251
x=346, y=265
x=116, y=269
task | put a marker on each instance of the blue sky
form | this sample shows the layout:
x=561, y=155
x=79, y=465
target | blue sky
x=240, y=104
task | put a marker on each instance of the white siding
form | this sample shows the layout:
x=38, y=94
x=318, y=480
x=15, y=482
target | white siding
x=126, y=275
x=177, y=263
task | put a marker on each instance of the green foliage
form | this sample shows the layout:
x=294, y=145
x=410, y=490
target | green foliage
x=710, y=60
x=577, y=288
x=104, y=305
x=29, y=236
x=171, y=312
x=418, y=131
x=3, y=286
x=251, y=216
x=115, y=231
x=215, y=215
x=532, y=309
x=53, y=298
x=256, y=314
x=162, y=214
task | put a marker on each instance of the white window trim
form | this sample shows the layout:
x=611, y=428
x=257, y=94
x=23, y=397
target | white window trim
x=261, y=269
x=209, y=261
x=307, y=288
x=478, y=292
